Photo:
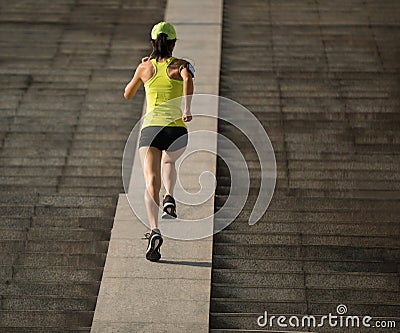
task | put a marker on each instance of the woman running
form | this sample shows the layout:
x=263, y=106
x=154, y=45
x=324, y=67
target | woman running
x=163, y=136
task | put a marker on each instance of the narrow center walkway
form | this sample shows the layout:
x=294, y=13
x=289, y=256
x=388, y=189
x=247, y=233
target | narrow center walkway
x=171, y=295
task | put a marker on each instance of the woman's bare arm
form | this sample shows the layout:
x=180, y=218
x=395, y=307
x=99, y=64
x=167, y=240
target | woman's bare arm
x=133, y=86
x=187, y=94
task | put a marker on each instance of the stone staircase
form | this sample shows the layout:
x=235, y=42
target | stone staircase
x=322, y=78
x=63, y=127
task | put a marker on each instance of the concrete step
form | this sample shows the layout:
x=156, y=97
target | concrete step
x=74, y=211
x=13, y=234
x=39, y=128
x=7, y=259
x=38, y=259
x=230, y=305
x=72, y=222
x=251, y=278
x=56, y=274
x=68, y=234
x=327, y=217
x=21, y=138
x=293, y=294
x=34, y=189
x=93, y=120
x=99, y=144
x=10, y=197
x=6, y=273
x=324, y=204
x=93, y=162
x=58, y=246
x=126, y=127
x=384, y=309
x=32, y=161
x=33, y=173
x=254, y=188
x=63, y=90
x=45, y=319
x=54, y=187
x=42, y=330
x=39, y=181
x=73, y=289
x=333, y=156
x=100, y=152
x=312, y=204
x=48, y=124
x=21, y=171
x=306, y=252
x=53, y=102
x=348, y=175
x=101, y=136
x=86, y=190
x=293, y=238
x=367, y=296
x=247, y=322
x=9, y=246
x=350, y=194
x=92, y=171
x=52, y=144
x=388, y=165
x=383, y=281
x=238, y=291
x=268, y=226
x=345, y=185
x=301, y=265
x=79, y=201
x=47, y=303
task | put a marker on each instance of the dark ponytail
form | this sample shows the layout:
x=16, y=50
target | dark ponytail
x=162, y=47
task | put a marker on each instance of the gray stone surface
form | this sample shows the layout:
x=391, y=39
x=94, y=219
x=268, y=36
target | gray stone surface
x=323, y=80
x=63, y=126
x=325, y=86
x=171, y=295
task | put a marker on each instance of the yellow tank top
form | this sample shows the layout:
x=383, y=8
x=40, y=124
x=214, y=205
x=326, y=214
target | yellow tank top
x=163, y=97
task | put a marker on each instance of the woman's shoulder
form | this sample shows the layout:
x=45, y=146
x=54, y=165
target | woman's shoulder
x=146, y=62
x=145, y=70
x=145, y=66
x=179, y=62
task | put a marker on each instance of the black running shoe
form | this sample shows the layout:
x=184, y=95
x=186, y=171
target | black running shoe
x=169, y=207
x=155, y=242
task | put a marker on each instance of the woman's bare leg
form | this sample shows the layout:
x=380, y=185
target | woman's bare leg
x=150, y=158
x=168, y=169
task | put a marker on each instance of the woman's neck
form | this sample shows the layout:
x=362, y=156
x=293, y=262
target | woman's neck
x=163, y=59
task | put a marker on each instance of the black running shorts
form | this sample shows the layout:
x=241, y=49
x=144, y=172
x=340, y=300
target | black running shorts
x=169, y=138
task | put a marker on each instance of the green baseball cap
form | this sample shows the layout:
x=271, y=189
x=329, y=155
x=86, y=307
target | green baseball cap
x=163, y=27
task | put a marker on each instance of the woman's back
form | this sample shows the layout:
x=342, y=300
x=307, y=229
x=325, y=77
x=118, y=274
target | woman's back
x=163, y=95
